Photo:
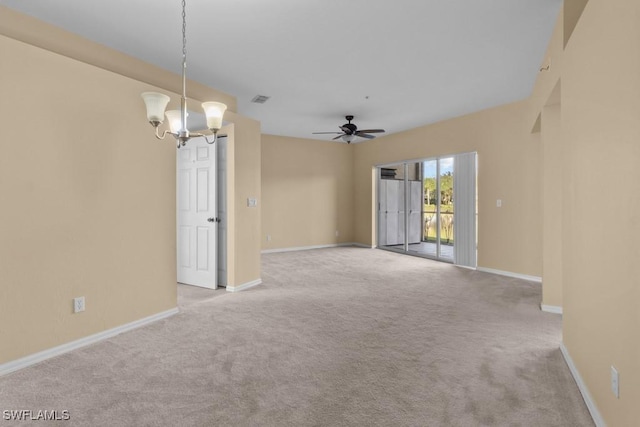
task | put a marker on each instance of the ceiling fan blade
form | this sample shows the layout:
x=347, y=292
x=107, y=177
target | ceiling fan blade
x=371, y=131
x=364, y=135
x=322, y=133
x=339, y=136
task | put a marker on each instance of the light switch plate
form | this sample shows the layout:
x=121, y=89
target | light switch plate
x=615, y=382
x=78, y=304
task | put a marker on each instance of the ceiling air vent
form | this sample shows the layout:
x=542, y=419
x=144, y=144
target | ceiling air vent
x=260, y=99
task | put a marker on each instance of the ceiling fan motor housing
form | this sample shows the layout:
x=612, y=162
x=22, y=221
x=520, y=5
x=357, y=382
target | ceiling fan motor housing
x=349, y=128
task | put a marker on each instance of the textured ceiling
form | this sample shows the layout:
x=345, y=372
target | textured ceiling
x=394, y=65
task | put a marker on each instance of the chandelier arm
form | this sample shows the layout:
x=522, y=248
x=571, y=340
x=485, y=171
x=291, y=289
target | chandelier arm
x=163, y=133
x=205, y=136
x=214, y=138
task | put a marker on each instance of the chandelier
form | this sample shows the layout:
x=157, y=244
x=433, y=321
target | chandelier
x=156, y=104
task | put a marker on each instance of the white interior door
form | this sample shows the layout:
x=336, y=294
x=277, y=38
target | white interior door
x=197, y=225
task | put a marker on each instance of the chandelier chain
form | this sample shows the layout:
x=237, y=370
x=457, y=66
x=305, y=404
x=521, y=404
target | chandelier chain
x=184, y=32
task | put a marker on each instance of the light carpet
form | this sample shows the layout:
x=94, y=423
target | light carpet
x=333, y=337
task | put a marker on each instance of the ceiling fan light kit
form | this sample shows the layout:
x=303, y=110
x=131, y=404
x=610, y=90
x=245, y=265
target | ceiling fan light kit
x=348, y=138
x=156, y=104
x=350, y=131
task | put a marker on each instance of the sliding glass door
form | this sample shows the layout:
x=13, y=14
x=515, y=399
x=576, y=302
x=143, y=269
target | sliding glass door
x=437, y=213
x=417, y=207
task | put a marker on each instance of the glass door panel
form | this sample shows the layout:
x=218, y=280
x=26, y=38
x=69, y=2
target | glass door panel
x=415, y=200
x=429, y=210
x=446, y=208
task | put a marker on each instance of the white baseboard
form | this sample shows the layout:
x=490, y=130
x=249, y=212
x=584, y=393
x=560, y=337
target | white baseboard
x=510, y=274
x=41, y=356
x=361, y=245
x=551, y=309
x=244, y=286
x=588, y=400
x=307, y=248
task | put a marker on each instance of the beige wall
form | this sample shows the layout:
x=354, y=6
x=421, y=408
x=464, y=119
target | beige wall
x=572, y=12
x=545, y=89
x=307, y=192
x=243, y=169
x=509, y=168
x=544, y=107
x=601, y=127
x=552, y=188
x=88, y=202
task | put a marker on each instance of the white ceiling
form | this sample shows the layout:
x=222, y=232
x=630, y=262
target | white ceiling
x=395, y=64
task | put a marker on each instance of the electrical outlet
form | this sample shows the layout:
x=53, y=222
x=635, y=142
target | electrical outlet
x=268, y=237
x=252, y=202
x=337, y=233
x=615, y=382
x=78, y=304
x=499, y=203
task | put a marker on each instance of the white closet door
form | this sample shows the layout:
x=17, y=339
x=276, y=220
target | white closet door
x=393, y=211
x=400, y=191
x=382, y=212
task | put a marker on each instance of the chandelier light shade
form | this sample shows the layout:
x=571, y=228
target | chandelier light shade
x=214, y=112
x=175, y=120
x=156, y=104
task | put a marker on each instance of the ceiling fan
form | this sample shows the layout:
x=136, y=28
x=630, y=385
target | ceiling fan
x=350, y=131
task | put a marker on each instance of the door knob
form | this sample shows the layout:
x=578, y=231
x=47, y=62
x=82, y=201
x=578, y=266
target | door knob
x=213, y=219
